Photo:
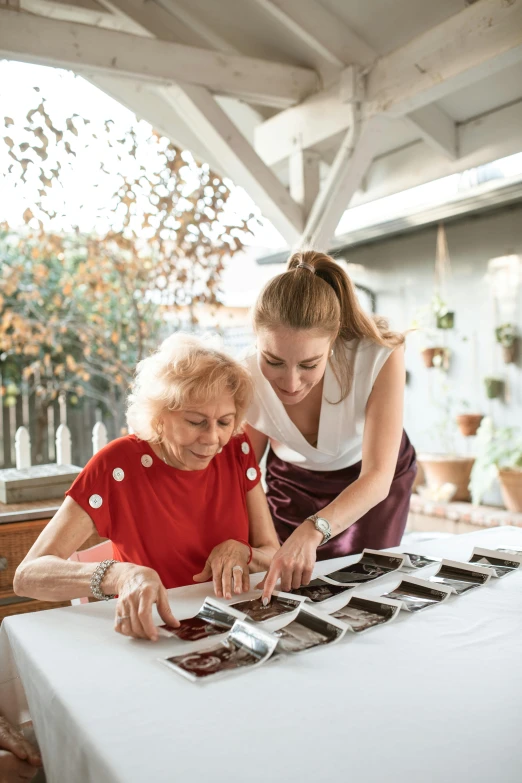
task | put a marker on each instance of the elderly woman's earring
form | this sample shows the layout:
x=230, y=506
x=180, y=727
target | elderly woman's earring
x=220, y=450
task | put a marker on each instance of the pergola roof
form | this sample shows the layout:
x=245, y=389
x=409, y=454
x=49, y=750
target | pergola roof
x=310, y=105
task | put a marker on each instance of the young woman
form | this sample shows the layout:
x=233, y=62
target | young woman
x=180, y=499
x=329, y=388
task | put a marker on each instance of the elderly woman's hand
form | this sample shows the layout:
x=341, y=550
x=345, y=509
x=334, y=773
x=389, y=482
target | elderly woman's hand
x=19, y=759
x=227, y=566
x=138, y=589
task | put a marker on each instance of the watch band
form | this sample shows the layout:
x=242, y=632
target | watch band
x=326, y=533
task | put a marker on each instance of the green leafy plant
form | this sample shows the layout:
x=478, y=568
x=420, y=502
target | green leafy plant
x=496, y=449
x=494, y=387
x=506, y=335
x=445, y=318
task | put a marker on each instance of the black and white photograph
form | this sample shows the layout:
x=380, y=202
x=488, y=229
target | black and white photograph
x=372, y=565
x=258, y=613
x=417, y=594
x=307, y=631
x=212, y=619
x=244, y=646
x=360, y=614
x=460, y=577
x=414, y=562
x=499, y=564
x=318, y=591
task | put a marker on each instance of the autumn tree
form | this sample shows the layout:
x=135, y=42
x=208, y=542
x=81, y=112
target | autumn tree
x=78, y=310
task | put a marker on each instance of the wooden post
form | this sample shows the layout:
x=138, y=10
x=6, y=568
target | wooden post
x=63, y=445
x=99, y=436
x=22, y=448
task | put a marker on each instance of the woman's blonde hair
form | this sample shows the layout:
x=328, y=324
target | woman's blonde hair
x=321, y=296
x=183, y=372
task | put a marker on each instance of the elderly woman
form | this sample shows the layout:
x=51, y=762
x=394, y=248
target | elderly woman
x=180, y=499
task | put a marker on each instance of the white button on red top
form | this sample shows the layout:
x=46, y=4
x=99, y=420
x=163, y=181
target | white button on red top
x=251, y=474
x=146, y=460
x=95, y=501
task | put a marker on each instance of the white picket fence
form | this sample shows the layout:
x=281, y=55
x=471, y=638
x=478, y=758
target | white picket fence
x=63, y=444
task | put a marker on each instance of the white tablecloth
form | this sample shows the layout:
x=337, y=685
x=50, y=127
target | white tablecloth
x=430, y=697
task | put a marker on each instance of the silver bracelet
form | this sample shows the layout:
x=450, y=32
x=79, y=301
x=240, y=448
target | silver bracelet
x=97, y=578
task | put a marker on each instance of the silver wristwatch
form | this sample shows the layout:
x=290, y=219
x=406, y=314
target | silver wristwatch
x=322, y=526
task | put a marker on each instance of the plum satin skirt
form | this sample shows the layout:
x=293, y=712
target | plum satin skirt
x=294, y=493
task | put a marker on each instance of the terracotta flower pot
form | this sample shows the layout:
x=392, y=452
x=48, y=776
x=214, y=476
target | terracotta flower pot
x=429, y=354
x=509, y=353
x=469, y=423
x=442, y=469
x=511, y=488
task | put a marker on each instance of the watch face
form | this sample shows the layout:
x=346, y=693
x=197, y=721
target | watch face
x=323, y=526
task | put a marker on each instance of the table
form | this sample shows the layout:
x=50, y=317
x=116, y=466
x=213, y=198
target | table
x=430, y=697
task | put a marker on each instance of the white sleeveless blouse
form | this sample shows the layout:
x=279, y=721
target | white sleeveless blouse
x=341, y=426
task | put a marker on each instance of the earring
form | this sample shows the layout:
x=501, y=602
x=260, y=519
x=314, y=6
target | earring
x=220, y=450
x=332, y=352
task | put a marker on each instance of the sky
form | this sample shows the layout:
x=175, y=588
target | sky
x=85, y=190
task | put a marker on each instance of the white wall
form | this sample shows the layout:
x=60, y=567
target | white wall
x=401, y=272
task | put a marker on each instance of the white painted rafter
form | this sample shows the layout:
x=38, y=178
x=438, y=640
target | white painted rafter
x=331, y=44
x=81, y=11
x=82, y=47
x=479, y=41
x=436, y=128
x=207, y=121
x=349, y=167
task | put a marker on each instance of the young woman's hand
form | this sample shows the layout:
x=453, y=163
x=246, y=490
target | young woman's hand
x=138, y=589
x=294, y=563
x=227, y=566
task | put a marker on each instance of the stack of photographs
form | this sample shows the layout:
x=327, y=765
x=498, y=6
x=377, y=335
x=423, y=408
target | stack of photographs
x=499, y=564
x=372, y=565
x=361, y=613
x=416, y=595
x=255, y=611
x=244, y=647
x=461, y=577
x=308, y=630
x=212, y=619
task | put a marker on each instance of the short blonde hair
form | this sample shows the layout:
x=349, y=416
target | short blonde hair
x=184, y=372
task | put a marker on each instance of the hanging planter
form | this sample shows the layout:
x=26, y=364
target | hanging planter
x=446, y=320
x=506, y=335
x=468, y=423
x=494, y=388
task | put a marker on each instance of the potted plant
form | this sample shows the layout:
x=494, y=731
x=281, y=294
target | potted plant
x=494, y=387
x=446, y=467
x=506, y=335
x=468, y=423
x=436, y=357
x=499, y=454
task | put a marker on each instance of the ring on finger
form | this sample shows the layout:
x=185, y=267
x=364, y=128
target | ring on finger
x=121, y=618
x=237, y=568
